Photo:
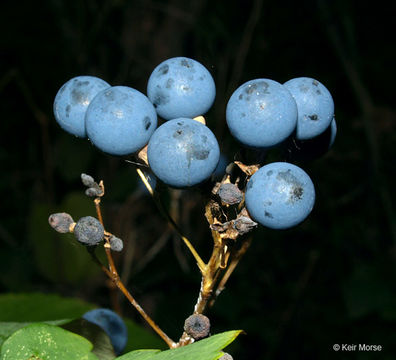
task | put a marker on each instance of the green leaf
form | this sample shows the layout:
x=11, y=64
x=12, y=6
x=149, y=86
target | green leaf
x=25, y=308
x=46, y=342
x=40, y=307
x=207, y=349
x=102, y=346
x=8, y=328
x=139, y=355
x=59, y=257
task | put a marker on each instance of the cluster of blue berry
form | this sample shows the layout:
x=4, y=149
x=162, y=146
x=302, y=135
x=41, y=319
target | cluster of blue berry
x=183, y=151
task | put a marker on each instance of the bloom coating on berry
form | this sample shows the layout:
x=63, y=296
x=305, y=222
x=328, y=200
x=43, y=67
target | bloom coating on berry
x=89, y=231
x=60, y=222
x=197, y=326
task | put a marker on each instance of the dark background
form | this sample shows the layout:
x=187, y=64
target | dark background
x=296, y=292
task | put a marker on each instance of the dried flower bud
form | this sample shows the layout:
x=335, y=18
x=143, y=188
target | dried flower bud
x=89, y=231
x=197, y=326
x=94, y=191
x=244, y=224
x=116, y=244
x=230, y=194
x=88, y=180
x=61, y=222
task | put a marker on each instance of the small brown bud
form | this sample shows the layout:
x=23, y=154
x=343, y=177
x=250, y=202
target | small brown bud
x=116, y=244
x=60, y=222
x=197, y=326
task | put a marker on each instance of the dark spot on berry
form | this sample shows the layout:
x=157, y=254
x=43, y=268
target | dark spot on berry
x=79, y=97
x=294, y=186
x=249, y=184
x=201, y=78
x=68, y=108
x=313, y=117
x=318, y=92
x=243, y=115
x=249, y=89
x=82, y=83
x=297, y=192
x=186, y=63
x=146, y=122
x=177, y=133
x=240, y=97
x=185, y=88
x=169, y=83
x=201, y=154
x=204, y=138
x=269, y=172
x=260, y=87
x=267, y=214
x=160, y=99
x=163, y=70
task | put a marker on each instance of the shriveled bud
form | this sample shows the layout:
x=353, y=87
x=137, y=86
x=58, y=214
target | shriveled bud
x=230, y=194
x=61, y=222
x=94, y=192
x=244, y=224
x=197, y=326
x=116, y=244
x=89, y=231
x=87, y=180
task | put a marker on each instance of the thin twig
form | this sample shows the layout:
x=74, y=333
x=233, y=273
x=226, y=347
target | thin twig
x=115, y=278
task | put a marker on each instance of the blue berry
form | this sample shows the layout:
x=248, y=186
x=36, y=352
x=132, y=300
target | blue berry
x=181, y=87
x=261, y=113
x=120, y=120
x=279, y=195
x=315, y=106
x=333, y=132
x=311, y=149
x=72, y=100
x=183, y=152
x=112, y=324
x=220, y=170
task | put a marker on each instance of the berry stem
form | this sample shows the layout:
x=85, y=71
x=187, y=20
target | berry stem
x=230, y=269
